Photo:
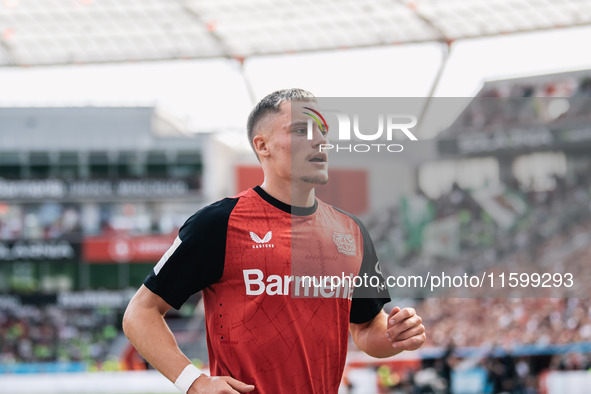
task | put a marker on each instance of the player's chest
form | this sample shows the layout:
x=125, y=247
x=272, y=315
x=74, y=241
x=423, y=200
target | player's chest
x=284, y=245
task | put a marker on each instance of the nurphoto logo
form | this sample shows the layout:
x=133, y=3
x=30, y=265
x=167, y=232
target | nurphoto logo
x=390, y=126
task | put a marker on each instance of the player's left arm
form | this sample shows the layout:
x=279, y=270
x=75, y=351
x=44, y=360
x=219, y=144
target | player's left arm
x=375, y=332
x=387, y=335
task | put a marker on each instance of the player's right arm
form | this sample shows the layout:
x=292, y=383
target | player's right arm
x=144, y=325
x=194, y=261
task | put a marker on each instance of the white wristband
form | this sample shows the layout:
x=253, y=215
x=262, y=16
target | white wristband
x=187, y=377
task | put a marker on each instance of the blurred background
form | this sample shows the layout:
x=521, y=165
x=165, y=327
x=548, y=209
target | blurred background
x=119, y=119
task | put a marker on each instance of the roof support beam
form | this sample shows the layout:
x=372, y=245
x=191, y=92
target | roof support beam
x=7, y=53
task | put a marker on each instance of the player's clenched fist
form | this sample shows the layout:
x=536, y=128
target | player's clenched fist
x=405, y=329
x=218, y=385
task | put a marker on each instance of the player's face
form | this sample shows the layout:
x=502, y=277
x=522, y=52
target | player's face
x=295, y=155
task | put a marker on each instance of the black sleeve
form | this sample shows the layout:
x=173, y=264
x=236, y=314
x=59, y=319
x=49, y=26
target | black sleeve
x=368, y=300
x=196, y=258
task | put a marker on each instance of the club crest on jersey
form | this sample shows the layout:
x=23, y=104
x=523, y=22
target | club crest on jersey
x=261, y=243
x=345, y=243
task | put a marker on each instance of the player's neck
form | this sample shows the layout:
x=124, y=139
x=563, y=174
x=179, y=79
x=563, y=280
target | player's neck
x=290, y=193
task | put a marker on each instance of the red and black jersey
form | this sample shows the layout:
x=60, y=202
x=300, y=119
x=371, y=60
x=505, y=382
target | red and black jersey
x=265, y=324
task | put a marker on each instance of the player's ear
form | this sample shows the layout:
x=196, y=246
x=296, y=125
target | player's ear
x=260, y=145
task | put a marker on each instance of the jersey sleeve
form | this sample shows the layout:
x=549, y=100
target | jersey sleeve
x=196, y=258
x=368, y=300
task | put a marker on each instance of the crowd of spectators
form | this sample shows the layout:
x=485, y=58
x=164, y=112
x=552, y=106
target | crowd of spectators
x=491, y=322
x=40, y=221
x=53, y=220
x=558, y=85
x=51, y=334
x=531, y=101
x=548, y=218
x=552, y=235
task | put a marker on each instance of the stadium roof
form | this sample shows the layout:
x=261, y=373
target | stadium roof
x=50, y=32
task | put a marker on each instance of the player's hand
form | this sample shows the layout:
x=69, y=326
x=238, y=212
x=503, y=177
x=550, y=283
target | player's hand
x=218, y=385
x=405, y=329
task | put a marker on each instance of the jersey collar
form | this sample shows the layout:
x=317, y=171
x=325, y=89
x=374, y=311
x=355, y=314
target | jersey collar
x=291, y=209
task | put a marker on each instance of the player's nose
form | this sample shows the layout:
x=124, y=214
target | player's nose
x=319, y=137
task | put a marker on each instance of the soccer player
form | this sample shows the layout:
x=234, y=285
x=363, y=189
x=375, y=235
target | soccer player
x=269, y=331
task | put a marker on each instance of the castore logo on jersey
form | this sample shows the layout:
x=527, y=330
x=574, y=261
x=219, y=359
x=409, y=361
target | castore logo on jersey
x=261, y=243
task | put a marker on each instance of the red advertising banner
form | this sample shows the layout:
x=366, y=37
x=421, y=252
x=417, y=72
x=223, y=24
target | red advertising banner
x=125, y=249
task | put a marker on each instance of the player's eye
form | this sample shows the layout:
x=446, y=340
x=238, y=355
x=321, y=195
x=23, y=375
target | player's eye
x=301, y=131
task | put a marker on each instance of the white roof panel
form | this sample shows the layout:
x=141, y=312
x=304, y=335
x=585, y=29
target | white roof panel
x=44, y=32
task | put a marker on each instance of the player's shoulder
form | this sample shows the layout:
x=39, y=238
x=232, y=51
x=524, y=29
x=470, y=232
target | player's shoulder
x=342, y=212
x=209, y=216
x=215, y=210
x=348, y=215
